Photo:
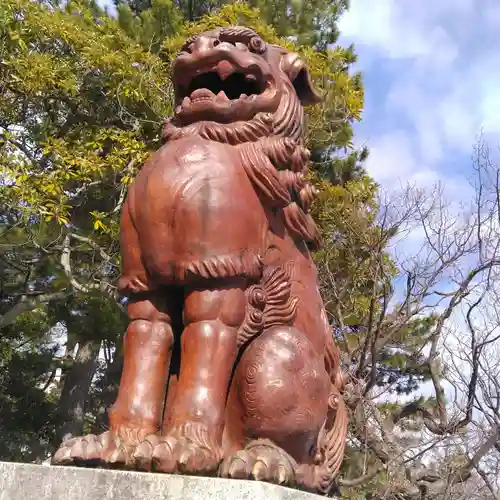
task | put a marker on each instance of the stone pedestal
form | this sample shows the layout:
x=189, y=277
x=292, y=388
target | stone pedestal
x=34, y=482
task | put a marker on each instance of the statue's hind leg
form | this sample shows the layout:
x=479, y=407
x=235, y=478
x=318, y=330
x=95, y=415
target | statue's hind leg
x=279, y=413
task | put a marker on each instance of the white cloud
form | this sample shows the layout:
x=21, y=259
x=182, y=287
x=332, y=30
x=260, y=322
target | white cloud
x=399, y=28
x=491, y=13
x=388, y=167
x=435, y=82
x=393, y=162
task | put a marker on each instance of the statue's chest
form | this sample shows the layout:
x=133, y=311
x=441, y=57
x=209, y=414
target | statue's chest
x=188, y=168
x=199, y=158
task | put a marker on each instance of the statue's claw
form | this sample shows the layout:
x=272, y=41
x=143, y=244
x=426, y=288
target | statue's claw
x=262, y=461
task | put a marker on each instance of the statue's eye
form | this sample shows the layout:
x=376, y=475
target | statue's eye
x=241, y=46
x=257, y=45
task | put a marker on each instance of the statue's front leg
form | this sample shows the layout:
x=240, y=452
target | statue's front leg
x=192, y=430
x=136, y=413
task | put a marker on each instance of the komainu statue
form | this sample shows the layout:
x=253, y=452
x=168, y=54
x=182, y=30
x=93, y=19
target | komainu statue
x=230, y=367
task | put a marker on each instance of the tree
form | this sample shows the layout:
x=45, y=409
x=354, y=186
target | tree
x=27, y=408
x=81, y=104
x=77, y=116
x=313, y=24
x=406, y=318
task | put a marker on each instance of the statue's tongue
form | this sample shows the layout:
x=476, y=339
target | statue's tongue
x=225, y=69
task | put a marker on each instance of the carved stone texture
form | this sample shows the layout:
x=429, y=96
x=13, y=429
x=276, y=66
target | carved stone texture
x=227, y=330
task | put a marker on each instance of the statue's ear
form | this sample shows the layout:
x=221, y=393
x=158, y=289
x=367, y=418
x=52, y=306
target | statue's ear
x=296, y=70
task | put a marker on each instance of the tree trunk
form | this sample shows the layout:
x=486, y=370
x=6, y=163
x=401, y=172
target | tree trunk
x=75, y=391
x=110, y=390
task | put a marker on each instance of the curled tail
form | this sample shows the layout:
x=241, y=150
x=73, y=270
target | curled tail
x=332, y=441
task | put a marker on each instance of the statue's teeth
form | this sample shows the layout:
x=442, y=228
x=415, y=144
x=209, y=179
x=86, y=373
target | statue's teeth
x=250, y=78
x=202, y=94
x=222, y=96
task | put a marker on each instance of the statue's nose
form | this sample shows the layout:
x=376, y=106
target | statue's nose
x=204, y=44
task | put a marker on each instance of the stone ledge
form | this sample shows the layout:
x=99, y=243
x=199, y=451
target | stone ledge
x=35, y=482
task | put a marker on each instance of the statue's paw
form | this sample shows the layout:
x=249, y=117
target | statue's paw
x=104, y=450
x=262, y=461
x=83, y=450
x=181, y=455
x=118, y=453
x=142, y=457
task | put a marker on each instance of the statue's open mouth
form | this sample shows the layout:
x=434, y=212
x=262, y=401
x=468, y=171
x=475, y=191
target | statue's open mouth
x=223, y=90
x=224, y=82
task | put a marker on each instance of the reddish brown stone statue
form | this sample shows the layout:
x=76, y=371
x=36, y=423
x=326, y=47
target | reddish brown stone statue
x=229, y=363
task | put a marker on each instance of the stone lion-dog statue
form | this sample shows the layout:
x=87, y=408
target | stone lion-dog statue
x=230, y=366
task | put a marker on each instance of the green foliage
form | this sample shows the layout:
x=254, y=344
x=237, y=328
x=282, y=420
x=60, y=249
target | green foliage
x=80, y=103
x=311, y=23
x=347, y=217
x=27, y=408
x=90, y=104
x=150, y=22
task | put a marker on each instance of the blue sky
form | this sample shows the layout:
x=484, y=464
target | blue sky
x=431, y=71
x=431, y=79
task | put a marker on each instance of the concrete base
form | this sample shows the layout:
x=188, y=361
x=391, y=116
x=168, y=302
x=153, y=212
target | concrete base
x=35, y=482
